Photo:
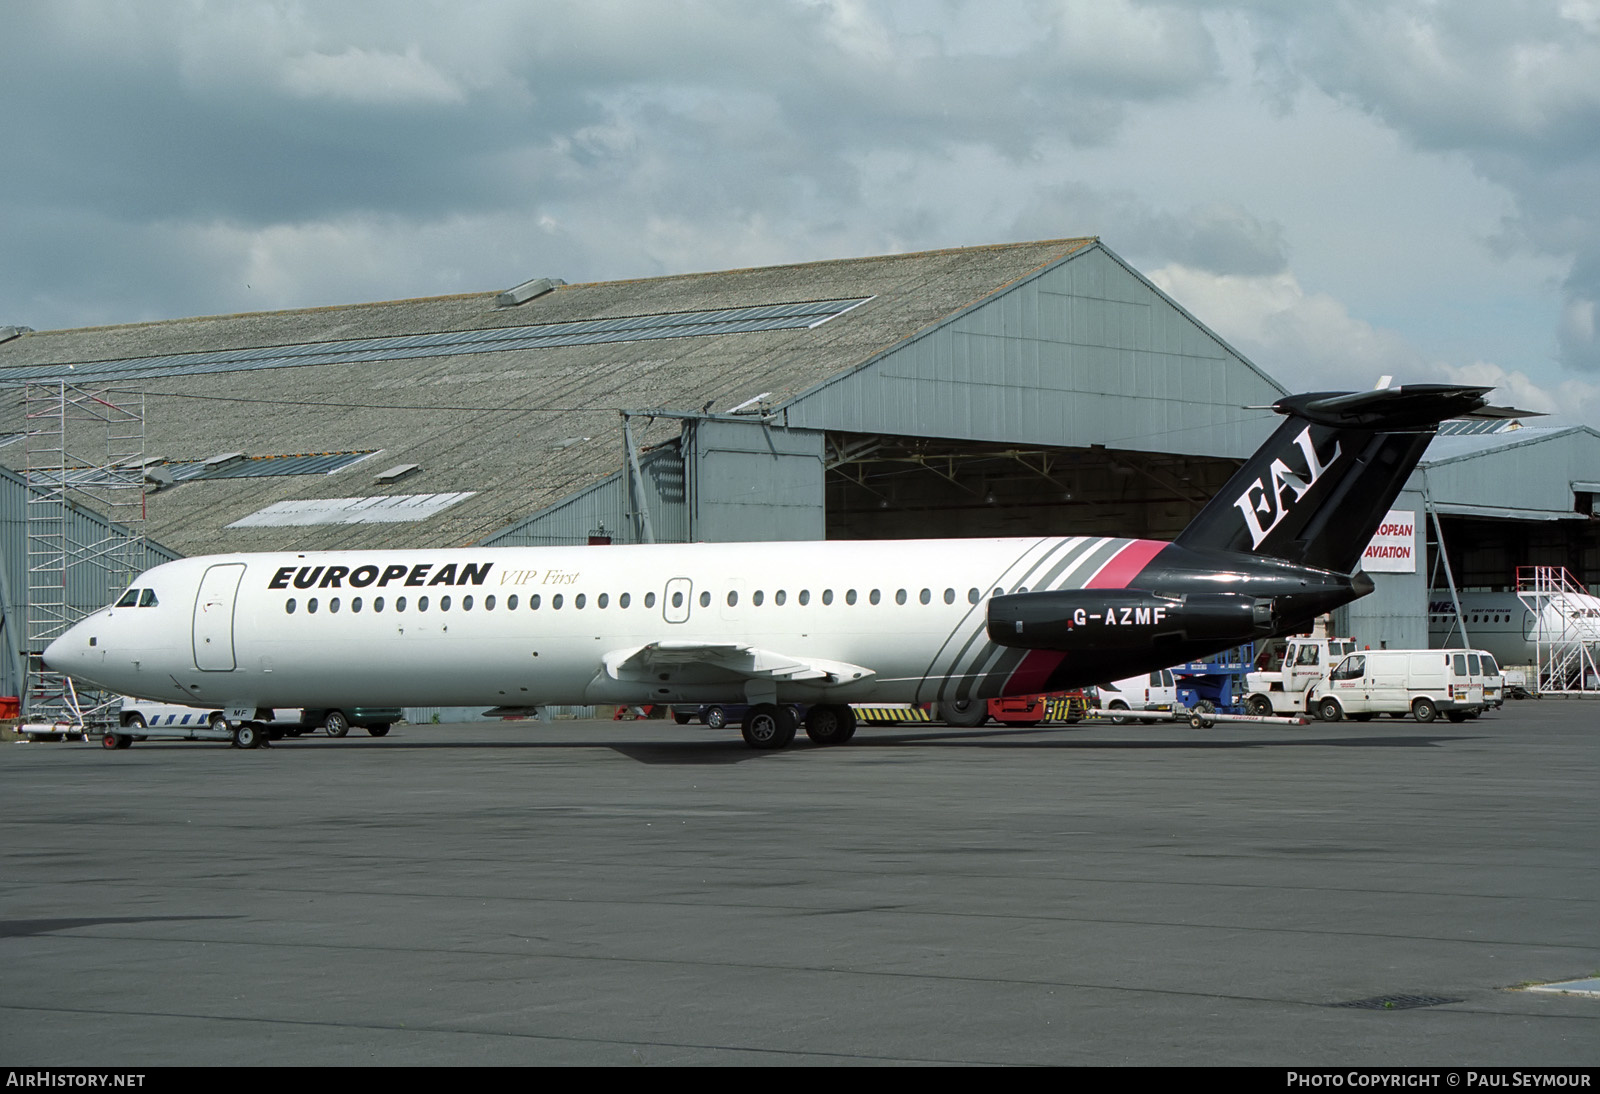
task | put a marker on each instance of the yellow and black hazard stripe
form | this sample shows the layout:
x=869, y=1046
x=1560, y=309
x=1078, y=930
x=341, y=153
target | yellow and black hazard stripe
x=890, y=713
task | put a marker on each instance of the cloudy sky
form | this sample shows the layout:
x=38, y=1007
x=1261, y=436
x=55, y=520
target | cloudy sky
x=1341, y=189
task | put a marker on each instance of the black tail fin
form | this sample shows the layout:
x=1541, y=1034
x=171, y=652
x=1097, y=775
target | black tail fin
x=1315, y=493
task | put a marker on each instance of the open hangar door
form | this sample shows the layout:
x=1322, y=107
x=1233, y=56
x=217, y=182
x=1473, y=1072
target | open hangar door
x=883, y=487
x=1484, y=553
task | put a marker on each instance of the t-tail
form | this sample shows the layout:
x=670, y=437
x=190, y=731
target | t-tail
x=1277, y=547
x=1317, y=491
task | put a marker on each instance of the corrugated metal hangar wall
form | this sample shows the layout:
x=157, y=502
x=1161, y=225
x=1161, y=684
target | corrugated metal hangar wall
x=1095, y=395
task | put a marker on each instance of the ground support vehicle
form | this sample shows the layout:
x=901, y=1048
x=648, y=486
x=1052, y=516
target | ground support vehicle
x=1217, y=684
x=1157, y=690
x=142, y=720
x=1199, y=717
x=1421, y=683
x=1016, y=710
x=1300, y=663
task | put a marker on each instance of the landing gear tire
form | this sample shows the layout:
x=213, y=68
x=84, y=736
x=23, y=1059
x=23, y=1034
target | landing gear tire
x=1329, y=710
x=831, y=725
x=1423, y=710
x=248, y=735
x=716, y=717
x=964, y=713
x=768, y=726
x=335, y=724
x=682, y=719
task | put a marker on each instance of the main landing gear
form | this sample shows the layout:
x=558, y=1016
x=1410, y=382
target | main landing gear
x=769, y=726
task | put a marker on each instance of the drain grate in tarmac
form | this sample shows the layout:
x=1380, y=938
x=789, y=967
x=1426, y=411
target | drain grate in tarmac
x=1396, y=1002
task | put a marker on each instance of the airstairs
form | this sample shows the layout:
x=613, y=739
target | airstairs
x=1564, y=627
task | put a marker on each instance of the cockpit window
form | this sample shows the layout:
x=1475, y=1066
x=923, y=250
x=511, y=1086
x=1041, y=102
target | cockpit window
x=147, y=599
x=129, y=599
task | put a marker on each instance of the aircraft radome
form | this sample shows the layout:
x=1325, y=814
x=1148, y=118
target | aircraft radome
x=824, y=624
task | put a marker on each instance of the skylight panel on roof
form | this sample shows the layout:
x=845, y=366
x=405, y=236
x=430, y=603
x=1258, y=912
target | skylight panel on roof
x=392, y=509
x=798, y=315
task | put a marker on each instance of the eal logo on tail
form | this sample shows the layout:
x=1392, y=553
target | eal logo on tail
x=1264, y=506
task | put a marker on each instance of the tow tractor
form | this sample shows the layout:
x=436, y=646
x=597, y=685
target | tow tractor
x=1286, y=689
x=1216, y=690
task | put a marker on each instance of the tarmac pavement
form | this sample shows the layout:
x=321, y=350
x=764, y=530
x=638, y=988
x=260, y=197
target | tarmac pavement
x=645, y=893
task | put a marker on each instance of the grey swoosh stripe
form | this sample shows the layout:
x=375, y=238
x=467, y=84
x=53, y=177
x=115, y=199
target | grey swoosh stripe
x=977, y=660
x=976, y=640
x=1069, y=573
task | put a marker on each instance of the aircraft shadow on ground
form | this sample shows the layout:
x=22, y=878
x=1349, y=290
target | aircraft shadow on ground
x=25, y=928
x=732, y=750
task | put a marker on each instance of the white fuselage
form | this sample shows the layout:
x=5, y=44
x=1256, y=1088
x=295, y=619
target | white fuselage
x=840, y=621
x=1502, y=624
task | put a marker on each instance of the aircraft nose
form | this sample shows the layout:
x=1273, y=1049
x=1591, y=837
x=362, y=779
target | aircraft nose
x=56, y=654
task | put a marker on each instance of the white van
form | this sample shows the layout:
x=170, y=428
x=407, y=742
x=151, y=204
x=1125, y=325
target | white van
x=1422, y=683
x=1154, y=691
x=1494, y=681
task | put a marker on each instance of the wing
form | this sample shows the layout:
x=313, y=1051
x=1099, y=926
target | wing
x=724, y=659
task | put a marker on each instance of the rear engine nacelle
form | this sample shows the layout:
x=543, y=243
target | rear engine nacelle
x=1102, y=619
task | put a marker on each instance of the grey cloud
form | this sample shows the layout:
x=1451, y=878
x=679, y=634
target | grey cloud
x=1512, y=86
x=1221, y=239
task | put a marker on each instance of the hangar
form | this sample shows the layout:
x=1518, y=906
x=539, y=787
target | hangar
x=1014, y=389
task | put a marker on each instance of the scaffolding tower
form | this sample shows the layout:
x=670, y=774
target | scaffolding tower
x=84, y=529
x=1565, y=628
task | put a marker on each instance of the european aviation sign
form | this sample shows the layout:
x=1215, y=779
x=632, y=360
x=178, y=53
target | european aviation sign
x=1394, y=549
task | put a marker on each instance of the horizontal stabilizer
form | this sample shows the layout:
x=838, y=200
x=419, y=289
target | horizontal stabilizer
x=1388, y=410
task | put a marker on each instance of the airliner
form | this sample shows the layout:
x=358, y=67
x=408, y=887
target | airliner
x=823, y=624
x=1502, y=624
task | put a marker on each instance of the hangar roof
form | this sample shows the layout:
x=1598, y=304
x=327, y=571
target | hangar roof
x=503, y=410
